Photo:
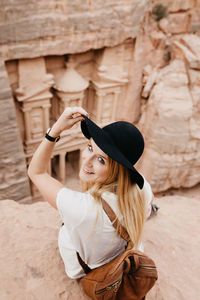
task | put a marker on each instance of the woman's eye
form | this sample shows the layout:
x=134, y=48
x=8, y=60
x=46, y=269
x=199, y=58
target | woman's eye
x=101, y=160
x=90, y=148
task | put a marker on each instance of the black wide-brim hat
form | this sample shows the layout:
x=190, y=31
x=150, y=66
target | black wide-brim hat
x=121, y=141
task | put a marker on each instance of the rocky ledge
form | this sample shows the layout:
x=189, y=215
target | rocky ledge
x=31, y=267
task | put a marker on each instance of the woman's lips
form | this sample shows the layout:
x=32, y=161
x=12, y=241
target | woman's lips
x=87, y=171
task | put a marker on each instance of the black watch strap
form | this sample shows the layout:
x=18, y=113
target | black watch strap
x=50, y=138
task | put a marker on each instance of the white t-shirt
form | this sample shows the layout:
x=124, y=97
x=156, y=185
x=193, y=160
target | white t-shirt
x=88, y=230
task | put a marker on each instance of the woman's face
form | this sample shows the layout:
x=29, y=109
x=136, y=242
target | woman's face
x=94, y=164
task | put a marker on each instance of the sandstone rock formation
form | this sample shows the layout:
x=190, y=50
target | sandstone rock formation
x=170, y=109
x=168, y=125
x=13, y=178
x=60, y=27
x=31, y=267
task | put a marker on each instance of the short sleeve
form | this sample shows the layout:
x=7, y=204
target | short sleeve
x=72, y=206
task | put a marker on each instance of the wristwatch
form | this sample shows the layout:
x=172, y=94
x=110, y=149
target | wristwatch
x=50, y=138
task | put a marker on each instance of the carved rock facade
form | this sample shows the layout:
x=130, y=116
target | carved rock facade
x=96, y=80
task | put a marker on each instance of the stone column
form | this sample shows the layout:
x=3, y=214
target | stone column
x=26, y=112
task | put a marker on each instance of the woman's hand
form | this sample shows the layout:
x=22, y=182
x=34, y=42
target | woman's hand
x=69, y=117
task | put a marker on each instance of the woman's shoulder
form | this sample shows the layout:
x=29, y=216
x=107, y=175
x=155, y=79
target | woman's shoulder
x=69, y=197
x=74, y=206
x=147, y=186
x=148, y=196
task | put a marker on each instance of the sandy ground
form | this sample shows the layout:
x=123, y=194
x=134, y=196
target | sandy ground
x=172, y=239
x=31, y=267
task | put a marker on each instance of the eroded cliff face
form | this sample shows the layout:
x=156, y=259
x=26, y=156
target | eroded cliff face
x=171, y=99
x=32, y=29
x=13, y=173
x=171, y=126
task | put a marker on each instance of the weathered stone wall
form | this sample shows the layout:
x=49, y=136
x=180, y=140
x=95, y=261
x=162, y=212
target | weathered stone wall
x=171, y=126
x=171, y=99
x=38, y=28
x=13, y=179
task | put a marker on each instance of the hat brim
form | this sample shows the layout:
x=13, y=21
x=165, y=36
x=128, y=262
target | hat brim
x=106, y=144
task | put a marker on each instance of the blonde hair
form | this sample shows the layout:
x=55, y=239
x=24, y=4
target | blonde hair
x=131, y=200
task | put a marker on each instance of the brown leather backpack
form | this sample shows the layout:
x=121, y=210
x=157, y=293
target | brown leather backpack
x=127, y=277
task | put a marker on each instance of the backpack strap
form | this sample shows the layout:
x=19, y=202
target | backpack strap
x=115, y=222
x=85, y=267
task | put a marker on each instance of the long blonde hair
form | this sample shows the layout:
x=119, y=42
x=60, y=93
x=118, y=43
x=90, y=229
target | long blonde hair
x=131, y=200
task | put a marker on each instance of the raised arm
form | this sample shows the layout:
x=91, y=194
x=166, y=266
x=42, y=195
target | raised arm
x=37, y=171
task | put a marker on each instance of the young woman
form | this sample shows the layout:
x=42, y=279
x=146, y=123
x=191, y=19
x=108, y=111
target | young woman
x=107, y=171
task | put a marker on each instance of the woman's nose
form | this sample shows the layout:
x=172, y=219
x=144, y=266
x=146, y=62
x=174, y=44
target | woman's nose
x=87, y=159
